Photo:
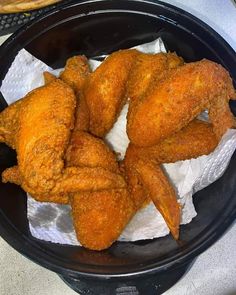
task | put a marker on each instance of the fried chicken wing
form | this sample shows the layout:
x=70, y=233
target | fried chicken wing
x=148, y=69
x=45, y=124
x=104, y=91
x=137, y=189
x=9, y=118
x=177, y=100
x=74, y=179
x=48, y=77
x=82, y=115
x=220, y=115
x=147, y=182
x=162, y=194
x=194, y=140
x=75, y=74
x=98, y=217
x=86, y=150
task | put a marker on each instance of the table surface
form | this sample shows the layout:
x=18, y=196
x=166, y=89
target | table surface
x=213, y=273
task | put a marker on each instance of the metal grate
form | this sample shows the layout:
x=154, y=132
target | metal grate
x=10, y=22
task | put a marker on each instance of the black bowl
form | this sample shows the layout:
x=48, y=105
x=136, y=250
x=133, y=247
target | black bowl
x=97, y=28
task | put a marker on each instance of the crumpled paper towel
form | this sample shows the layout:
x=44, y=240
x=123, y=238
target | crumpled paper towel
x=52, y=222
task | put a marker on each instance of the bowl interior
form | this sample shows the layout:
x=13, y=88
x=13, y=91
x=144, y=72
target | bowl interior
x=95, y=29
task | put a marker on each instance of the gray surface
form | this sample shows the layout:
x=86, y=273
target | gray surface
x=214, y=272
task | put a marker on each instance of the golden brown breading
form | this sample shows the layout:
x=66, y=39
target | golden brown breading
x=81, y=114
x=76, y=72
x=194, y=140
x=177, y=100
x=9, y=118
x=57, y=198
x=12, y=175
x=48, y=77
x=146, y=182
x=162, y=194
x=9, y=122
x=173, y=60
x=149, y=68
x=104, y=90
x=220, y=115
x=146, y=68
x=86, y=150
x=45, y=124
x=73, y=179
x=137, y=189
x=100, y=217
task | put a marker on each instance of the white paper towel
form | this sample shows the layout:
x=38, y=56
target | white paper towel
x=52, y=222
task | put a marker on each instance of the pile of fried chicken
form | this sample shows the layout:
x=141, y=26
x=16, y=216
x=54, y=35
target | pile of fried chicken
x=58, y=132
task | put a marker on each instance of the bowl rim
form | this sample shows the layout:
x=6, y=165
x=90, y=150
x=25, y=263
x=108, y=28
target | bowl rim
x=34, y=251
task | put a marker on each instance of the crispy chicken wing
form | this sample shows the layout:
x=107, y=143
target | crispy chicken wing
x=75, y=74
x=161, y=193
x=194, y=140
x=86, y=150
x=148, y=69
x=99, y=217
x=45, y=123
x=146, y=180
x=9, y=126
x=177, y=99
x=104, y=91
x=48, y=77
